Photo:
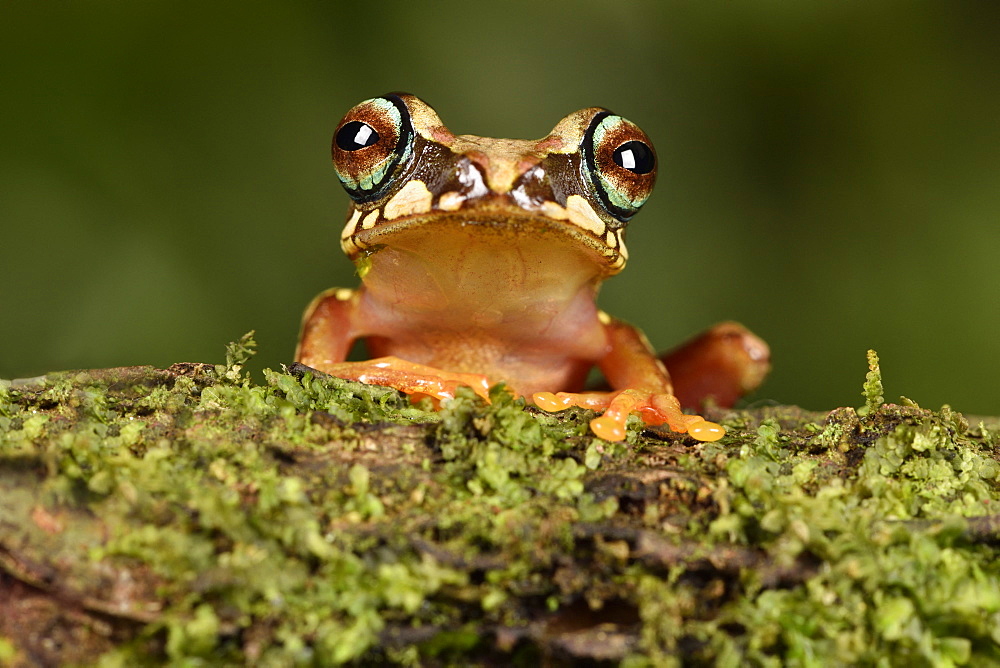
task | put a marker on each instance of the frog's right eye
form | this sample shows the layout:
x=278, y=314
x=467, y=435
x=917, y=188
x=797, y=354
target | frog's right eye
x=372, y=143
x=620, y=162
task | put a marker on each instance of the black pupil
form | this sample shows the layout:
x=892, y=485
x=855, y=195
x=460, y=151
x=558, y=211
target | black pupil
x=356, y=135
x=635, y=156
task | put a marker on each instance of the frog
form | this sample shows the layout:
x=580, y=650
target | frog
x=480, y=261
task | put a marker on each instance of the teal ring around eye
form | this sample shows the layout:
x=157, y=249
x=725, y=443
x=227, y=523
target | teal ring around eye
x=372, y=184
x=615, y=201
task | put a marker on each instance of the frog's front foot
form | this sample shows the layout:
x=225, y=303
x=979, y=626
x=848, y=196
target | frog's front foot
x=655, y=408
x=409, y=377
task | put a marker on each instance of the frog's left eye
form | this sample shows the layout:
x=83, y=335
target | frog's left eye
x=372, y=143
x=620, y=162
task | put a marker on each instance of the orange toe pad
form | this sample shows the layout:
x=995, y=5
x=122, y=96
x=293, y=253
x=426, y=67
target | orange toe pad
x=654, y=408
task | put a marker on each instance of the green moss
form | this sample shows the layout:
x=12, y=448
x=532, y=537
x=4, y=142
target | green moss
x=872, y=390
x=7, y=651
x=310, y=520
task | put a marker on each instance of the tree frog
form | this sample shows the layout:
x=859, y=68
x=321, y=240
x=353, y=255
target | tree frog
x=480, y=260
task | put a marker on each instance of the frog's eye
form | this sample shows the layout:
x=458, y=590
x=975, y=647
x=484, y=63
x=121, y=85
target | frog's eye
x=620, y=162
x=371, y=144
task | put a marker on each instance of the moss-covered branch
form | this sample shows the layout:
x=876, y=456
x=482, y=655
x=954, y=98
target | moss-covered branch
x=191, y=512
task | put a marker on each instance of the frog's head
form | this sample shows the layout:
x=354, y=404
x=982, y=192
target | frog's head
x=404, y=169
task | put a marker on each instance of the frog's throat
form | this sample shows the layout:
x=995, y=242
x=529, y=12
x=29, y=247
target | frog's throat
x=607, y=249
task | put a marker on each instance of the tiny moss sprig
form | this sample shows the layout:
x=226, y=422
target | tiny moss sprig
x=238, y=353
x=872, y=389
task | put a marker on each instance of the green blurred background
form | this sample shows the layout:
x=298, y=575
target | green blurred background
x=830, y=171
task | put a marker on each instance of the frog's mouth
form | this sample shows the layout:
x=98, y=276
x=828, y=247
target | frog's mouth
x=438, y=235
x=466, y=266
